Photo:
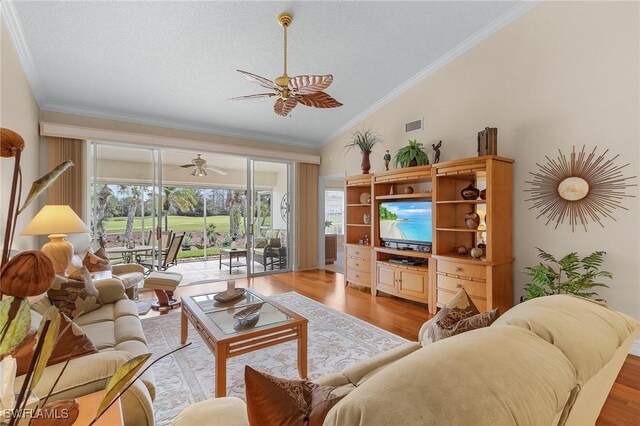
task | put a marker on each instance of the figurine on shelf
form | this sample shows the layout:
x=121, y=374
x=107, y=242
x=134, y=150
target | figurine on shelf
x=476, y=253
x=436, y=150
x=387, y=159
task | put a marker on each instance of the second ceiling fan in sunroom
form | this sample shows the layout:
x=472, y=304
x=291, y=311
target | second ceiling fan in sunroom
x=291, y=91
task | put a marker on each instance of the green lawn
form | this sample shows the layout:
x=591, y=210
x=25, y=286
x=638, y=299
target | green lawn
x=117, y=225
x=194, y=252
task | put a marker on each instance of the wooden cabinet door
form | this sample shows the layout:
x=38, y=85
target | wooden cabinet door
x=386, y=278
x=413, y=283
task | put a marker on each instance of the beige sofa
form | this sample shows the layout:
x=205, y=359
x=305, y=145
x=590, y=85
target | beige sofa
x=551, y=360
x=116, y=331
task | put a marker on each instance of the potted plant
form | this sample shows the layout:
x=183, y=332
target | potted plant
x=364, y=141
x=569, y=275
x=411, y=155
x=186, y=242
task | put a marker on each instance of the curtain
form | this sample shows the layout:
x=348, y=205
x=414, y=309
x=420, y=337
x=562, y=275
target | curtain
x=306, y=215
x=71, y=187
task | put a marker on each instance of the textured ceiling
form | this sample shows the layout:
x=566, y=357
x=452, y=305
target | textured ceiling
x=173, y=63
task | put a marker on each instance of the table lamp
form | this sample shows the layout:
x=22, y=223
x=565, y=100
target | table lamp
x=56, y=221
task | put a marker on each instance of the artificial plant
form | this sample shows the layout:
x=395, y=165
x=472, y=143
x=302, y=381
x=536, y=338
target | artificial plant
x=364, y=140
x=411, y=155
x=568, y=275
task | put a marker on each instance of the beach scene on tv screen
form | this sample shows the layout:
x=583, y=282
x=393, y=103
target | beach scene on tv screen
x=406, y=221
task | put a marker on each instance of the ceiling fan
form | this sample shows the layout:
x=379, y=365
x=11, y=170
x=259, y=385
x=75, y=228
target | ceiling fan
x=304, y=89
x=200, y=167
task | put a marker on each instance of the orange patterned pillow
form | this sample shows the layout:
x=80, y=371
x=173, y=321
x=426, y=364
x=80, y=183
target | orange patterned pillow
x=275, y=401
x=97, y=262
x=71, y=339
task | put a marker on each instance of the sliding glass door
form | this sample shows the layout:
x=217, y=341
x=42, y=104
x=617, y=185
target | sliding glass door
x=269, y=224
x=232, y=214
x=126, y=202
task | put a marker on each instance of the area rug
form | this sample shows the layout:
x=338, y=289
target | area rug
x=335, y=341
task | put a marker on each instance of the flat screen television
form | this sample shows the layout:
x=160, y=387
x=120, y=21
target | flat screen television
x=405, y=221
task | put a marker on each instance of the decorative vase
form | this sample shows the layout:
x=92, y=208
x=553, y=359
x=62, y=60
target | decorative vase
x=366, y=164
x=483, y=194
x=476, y=253
x=413, y=162
x=472, y=220
x=408, y=190
x=470, y=192
x=462, y=250
x=483, y=247
x=366, y=219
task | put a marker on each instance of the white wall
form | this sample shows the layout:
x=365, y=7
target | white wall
x=563, y=74
x=18, y=112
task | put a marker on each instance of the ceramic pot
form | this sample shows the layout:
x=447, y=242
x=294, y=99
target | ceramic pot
x=413, y=162
x=408, y=190
x=483, y=247
x=476, y=253
x=462, y=250
x=470, y=193
x=472, y=220
x=483, y=194
x=366, y=164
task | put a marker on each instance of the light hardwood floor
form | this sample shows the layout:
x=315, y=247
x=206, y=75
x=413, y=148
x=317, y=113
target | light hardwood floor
x=405, y=318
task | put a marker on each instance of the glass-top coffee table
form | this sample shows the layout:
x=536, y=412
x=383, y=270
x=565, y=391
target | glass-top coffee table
x=215, y=322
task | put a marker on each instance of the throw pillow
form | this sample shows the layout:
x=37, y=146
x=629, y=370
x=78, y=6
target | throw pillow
x=260, y=242
x=97, y=262
x=275, y=401
x=76, y=294
x=70, y=338
x=274, y=242
x=458, y=308
x=483, y=319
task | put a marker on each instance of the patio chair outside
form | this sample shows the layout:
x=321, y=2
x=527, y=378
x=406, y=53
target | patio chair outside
x=171, y=257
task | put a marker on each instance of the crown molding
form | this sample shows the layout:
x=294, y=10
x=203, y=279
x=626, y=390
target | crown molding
x=15, y=31
x=503, y=20
x=176, y=125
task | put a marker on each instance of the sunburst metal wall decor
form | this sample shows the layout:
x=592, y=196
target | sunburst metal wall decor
x=579, y=189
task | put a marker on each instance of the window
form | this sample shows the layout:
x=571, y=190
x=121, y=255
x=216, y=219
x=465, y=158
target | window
x=334, y=211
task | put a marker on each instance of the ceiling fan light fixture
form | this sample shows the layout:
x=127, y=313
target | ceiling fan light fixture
x=198, y=172
x=304, y=89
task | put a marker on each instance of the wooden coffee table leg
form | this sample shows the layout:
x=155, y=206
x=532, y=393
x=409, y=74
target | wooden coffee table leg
x=221, y=371
x=302, y=351
x=184, y=328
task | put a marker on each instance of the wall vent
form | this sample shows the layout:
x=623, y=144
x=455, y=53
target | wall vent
x=413, y=126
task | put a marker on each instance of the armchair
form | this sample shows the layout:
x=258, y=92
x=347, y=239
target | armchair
x=130, y=274
x=271, y=249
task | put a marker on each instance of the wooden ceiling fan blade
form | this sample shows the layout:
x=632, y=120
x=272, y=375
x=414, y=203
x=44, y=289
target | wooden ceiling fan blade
x=318, y=100
x=264, y=82
x=215, y=170
x=283, y=107
x=305, y=84
x=257, y=95
x=184, y=166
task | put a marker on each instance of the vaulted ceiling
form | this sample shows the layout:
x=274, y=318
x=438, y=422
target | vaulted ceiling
x=174, y=63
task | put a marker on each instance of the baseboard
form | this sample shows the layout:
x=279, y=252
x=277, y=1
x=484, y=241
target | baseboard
x=635, y=348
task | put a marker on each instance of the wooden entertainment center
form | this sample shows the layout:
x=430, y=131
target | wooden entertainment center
x=488, y=280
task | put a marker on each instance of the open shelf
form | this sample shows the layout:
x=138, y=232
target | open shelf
x=406, y=253
x=358, y=205
x=462, y=202
x=460, y=229
x=359, y=224
x=423, y=267
x=404, y=196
